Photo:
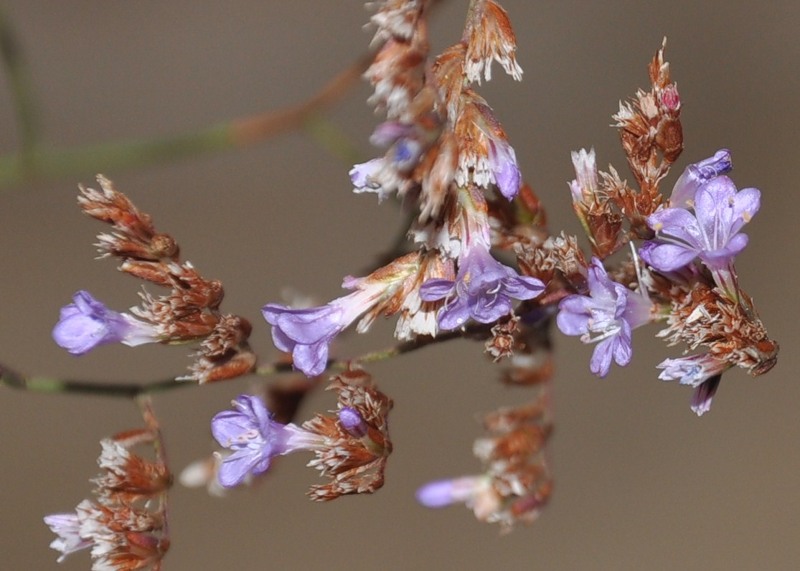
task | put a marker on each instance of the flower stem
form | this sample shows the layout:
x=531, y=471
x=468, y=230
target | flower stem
x=11, y=378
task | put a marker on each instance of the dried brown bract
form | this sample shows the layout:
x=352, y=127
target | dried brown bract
x=732, y=332
x=190, y=311
x=126, y=525
x=357, y=442
x=514, y=454
x=651, y=134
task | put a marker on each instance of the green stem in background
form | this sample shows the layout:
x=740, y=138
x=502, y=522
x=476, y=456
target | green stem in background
x=21, y=91
x=37, y=164
x=33, y=163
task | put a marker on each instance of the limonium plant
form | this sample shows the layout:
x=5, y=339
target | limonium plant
x=479, y=263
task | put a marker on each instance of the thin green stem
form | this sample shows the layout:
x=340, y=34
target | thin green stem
x=21, y=90
x=51, y=385
x=12, y=379
x=106, y=157
x=41, y=164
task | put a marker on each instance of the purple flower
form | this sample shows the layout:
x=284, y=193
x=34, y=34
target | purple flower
x=485, y=156
x=307, y=333
x=442, y=493
x=86, y=323
x=475, y=492
x=386, y=174
x=67, y=527
x=482, y=290
x=606, y=316
x=254, y=438
x=711, y=232
x=503, y=164
x=696, y=174
x=704, y=394
x=703, y=372
x=363, y=175
x=352, y=421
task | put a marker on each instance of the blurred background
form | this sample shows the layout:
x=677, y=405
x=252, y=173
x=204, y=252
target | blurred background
x=641, y=482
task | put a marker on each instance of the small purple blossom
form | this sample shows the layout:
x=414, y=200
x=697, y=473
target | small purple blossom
x=703, y=372
x=704, y=394
x=363, y=175
x=696, y=175
x=254, y=438
x=503, y=164
x=352, y=421
x=67, y=528
x=87, y=323
x=386, y=174
x=491, y=159
x=442, y=493
x=483, y=290
x=307, y=333
x=606, y=316
x=711, y=232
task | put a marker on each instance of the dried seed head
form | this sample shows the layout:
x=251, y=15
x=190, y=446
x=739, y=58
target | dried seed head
x=396, y=18
x=129, y=476
x=650, y=129
x=354, y=453
x=489, y=36
x=731, y=330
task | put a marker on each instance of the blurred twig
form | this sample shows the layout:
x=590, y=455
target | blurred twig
x=40, y=164
x=21, y=91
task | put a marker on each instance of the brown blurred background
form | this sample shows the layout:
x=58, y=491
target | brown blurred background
x=641, y=482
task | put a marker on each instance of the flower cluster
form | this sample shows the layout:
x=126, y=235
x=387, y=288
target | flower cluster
x=447, y=156
x=689, y=244
x=350, y=448
x=125, y=526
x=517, y=482
x=190, y=312
x=696, y=240
x=480, y=263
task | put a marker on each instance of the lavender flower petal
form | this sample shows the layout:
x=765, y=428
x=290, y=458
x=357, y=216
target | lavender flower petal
x=352, y=421
x=254, y=438
x=606, y=316
x=704, y=394
x=442, y=493
x=436, y=289
x=362, y=175
x=483, y=290
x=666, y=257
x=702, y=371
x=66, y=526
x=695, y=175
x=711, y=232
x=574, y=314
x=503, y=162
x=306, y=333
x=87, y=323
